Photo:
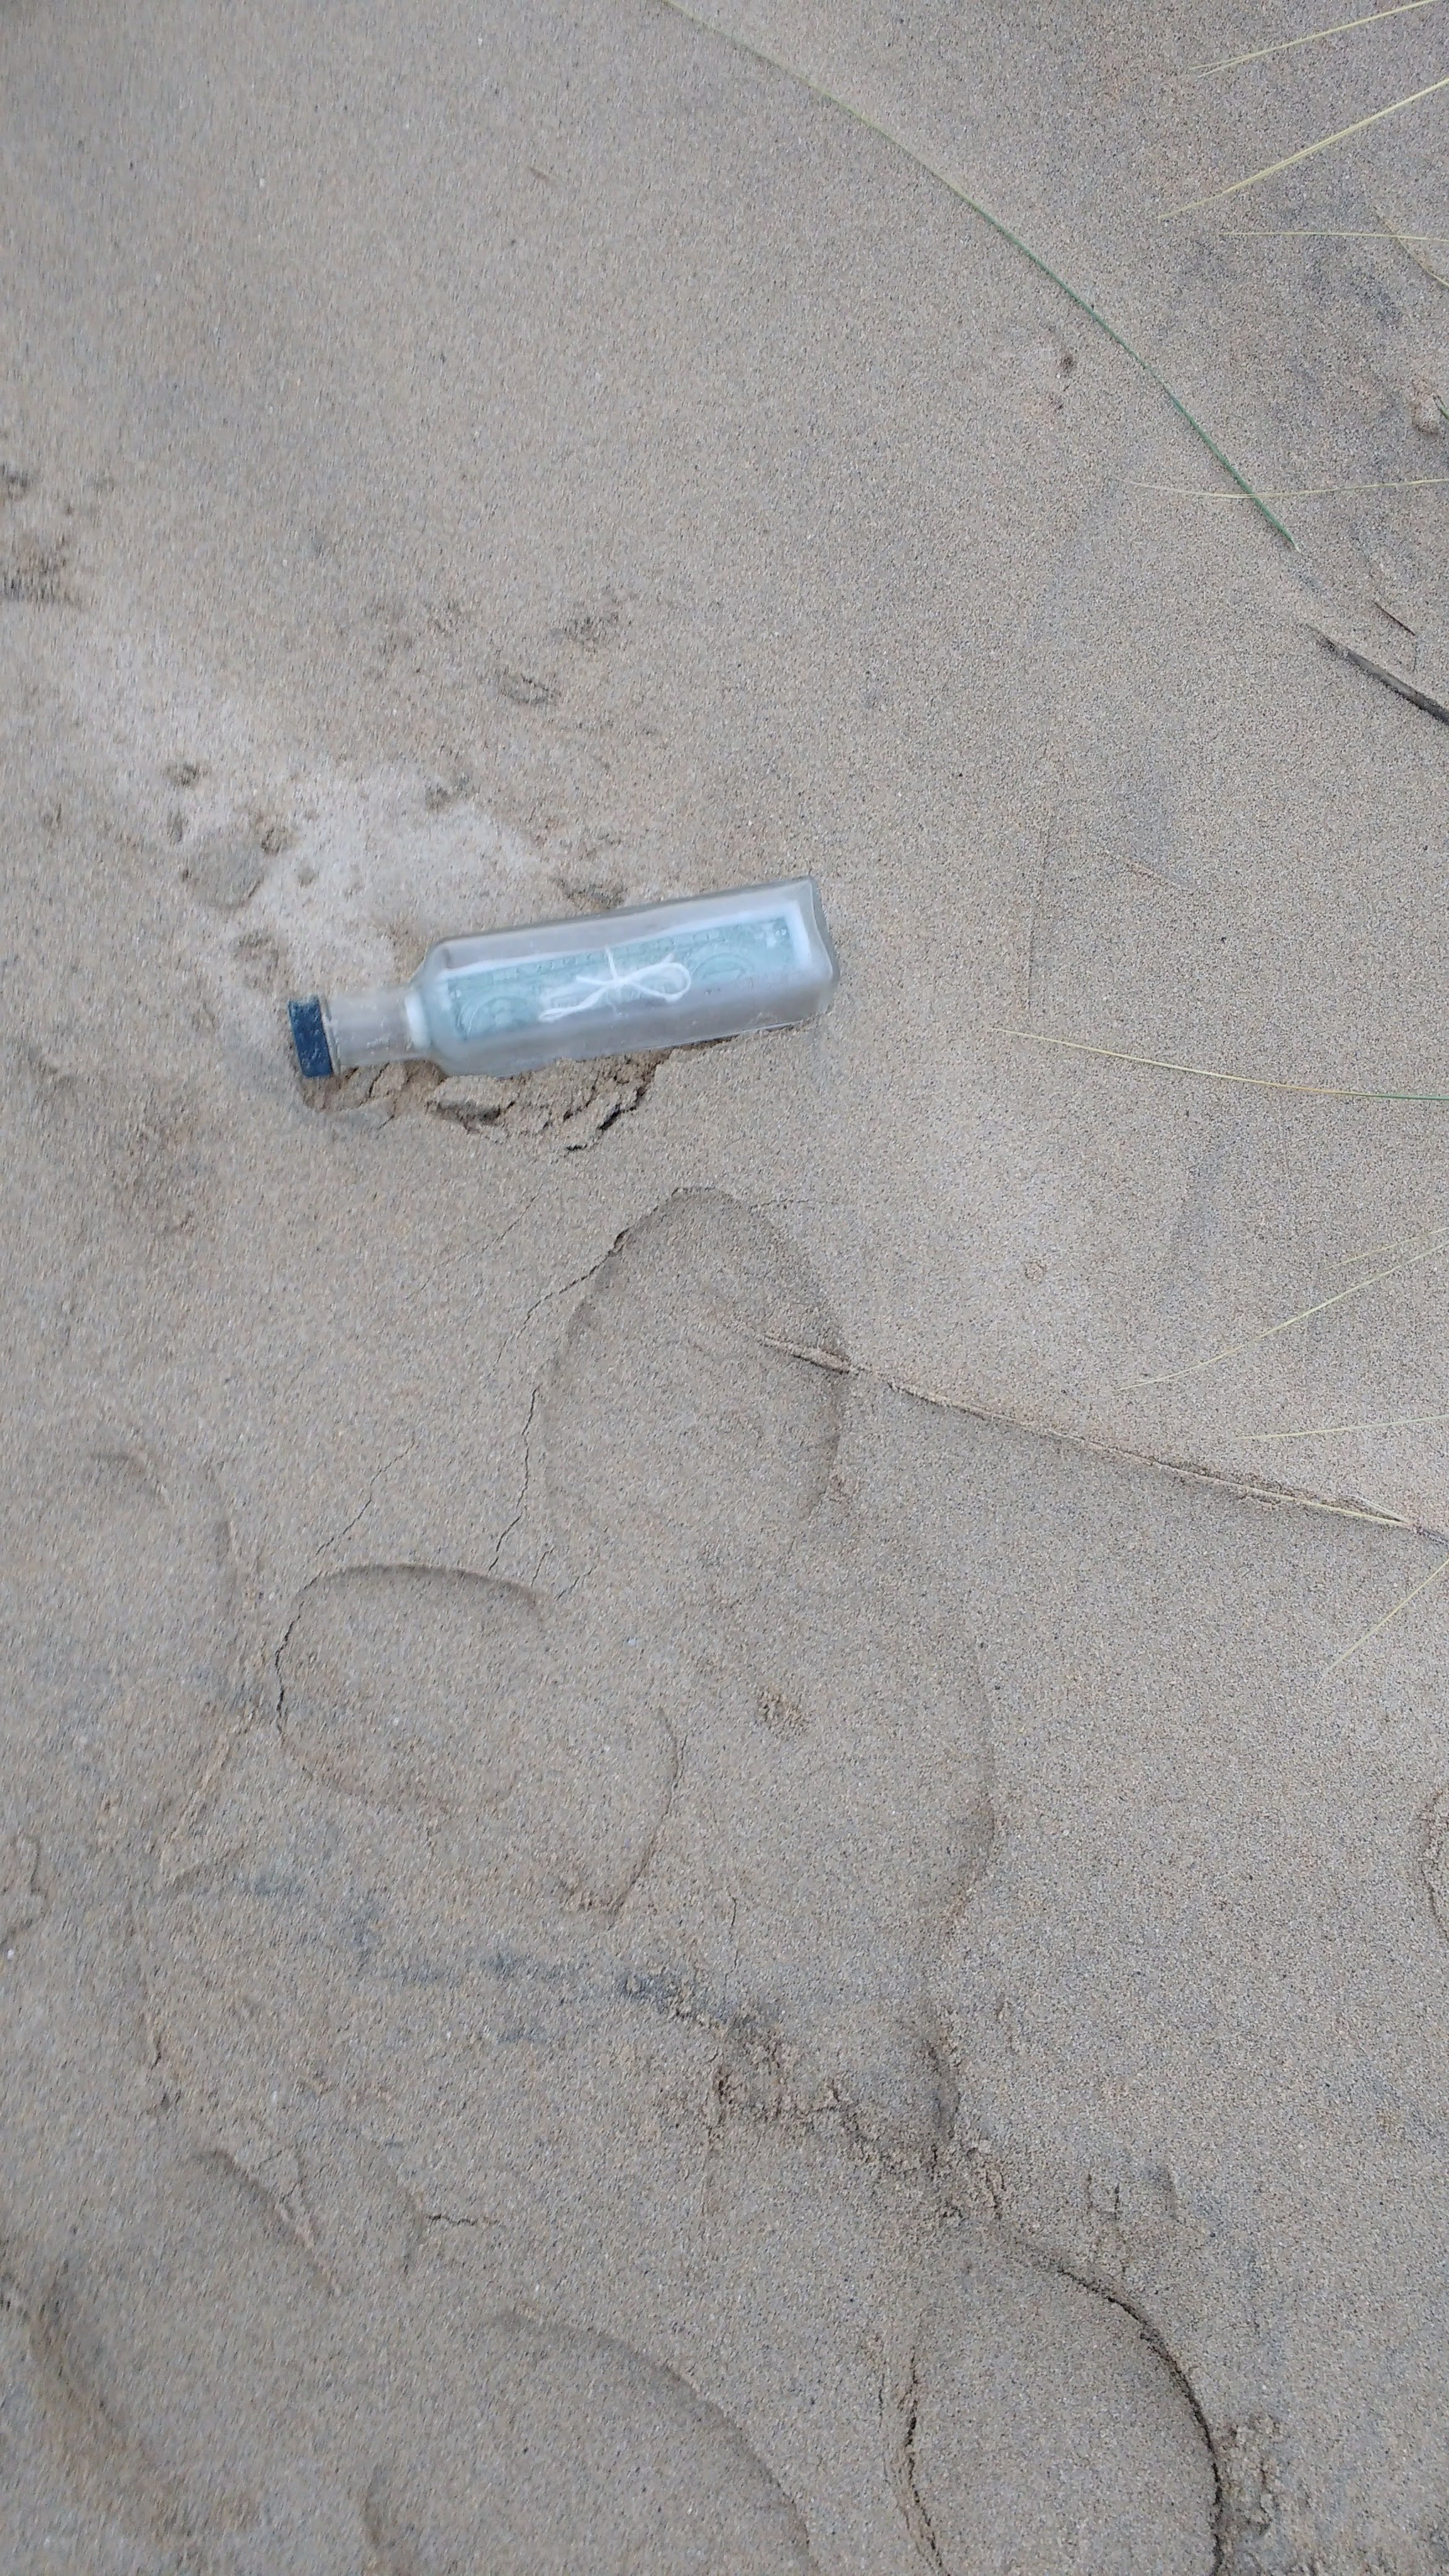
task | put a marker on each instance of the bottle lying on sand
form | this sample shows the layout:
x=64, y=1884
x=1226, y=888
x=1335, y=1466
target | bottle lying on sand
x=659, y=975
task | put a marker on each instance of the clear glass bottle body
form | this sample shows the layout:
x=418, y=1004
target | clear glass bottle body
x=657, y=975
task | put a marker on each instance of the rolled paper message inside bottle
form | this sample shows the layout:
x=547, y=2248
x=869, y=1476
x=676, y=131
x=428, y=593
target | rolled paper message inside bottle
x=657, y=975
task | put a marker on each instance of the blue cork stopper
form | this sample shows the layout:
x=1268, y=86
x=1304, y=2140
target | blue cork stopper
x=309, y=1037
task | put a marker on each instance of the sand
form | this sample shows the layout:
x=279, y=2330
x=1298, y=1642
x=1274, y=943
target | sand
x=688, y=1881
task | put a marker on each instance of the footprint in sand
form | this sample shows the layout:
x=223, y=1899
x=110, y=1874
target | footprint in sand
x=664, y=1844
x=210, y=2395
x=1014, y=2362
x=204, y=2362
x=119, y=1606
x=830, y=1815
x=682, y=1776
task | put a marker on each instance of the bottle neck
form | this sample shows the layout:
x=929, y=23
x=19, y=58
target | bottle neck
x=387, y=1026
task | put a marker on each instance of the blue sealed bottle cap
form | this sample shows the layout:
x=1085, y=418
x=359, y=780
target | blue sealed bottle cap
x=309, y=1037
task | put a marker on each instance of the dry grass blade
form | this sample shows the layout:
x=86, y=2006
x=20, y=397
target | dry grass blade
x=1322, y=232
x=1291, y=160
x=1304, y=1315
x=1315, y=36
x=1400, y=1243
x=1246, y=1489
x=1407, y=242
x=1423, y=699
x=1301, y=491
x=1389, y=1616
x=1210, y=1073
x=932, y=170
x=1345, y=1430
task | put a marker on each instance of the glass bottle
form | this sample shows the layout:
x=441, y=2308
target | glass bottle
x=656, y=975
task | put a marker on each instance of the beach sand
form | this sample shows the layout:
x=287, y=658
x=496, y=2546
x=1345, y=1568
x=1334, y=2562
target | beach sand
x=688, y=1881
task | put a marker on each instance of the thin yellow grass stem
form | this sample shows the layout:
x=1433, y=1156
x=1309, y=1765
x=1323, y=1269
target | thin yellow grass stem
x=1345, y=1430
x=1211, y=1073
x=1396, y=1243
x=1407, y=243
x=1303, y=491
x=1389, y=1616
x=1323, y=232
x=1304, y=1315
x=1315, y=36
x=1291, y=160
x=932, y=170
